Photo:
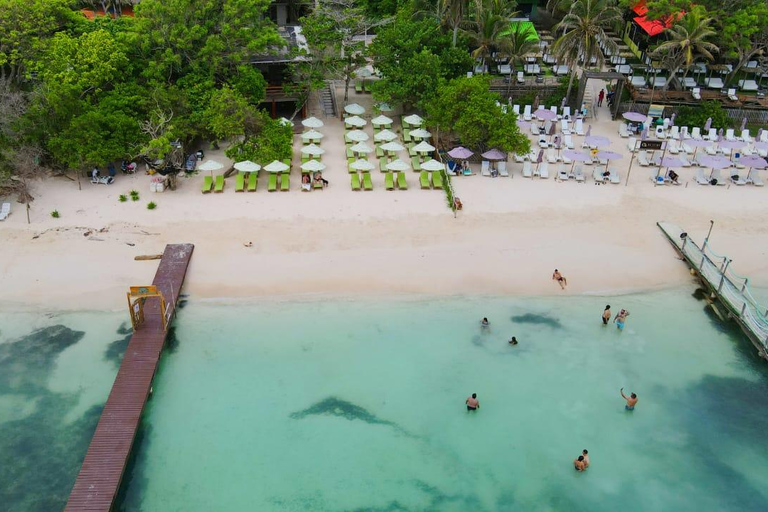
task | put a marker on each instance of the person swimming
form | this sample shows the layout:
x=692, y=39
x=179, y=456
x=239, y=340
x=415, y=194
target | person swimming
x=621, y=319
x=484, y=323
x=578, y=464
x=606, y=314
x=631, y=400
x=513, y=341
x=473, y=403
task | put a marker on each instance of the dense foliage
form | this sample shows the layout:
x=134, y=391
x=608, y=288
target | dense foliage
x=697, y=116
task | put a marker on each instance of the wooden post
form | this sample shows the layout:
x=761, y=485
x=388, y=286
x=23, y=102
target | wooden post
x=130, y=311
x=743, y=308
x=744, y=286
x=701, y=266
x=722, y=275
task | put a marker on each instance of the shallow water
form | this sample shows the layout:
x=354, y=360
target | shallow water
x=359, y=405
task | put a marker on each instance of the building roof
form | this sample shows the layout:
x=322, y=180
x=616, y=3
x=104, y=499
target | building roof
x=653, y=27
x=294, y=40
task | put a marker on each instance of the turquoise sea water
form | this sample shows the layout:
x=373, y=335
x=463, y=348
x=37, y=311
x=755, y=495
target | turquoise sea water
x=359, y=405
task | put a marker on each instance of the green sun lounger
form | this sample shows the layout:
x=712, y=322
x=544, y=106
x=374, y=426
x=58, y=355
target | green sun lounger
x=367, y=183
x=253, y=181
x=407, y=135
x=285, y=182
x=389, y=181
x=350, y=154
x=415, y=163
x=207, y=184
x=379, y=152
x=437, y=179
x=359, y=87
x=272, y=185
x=219, y=183
x=355, y=181
x=405, y=123
x=383, y=164
x=240, y=182
x=367, y=86
x=424, y=180
x=401, y=183
x=412, y=151
x=316, y=184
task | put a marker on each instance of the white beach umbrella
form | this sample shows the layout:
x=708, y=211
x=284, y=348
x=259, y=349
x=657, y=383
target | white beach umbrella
x=413, y=120
x=361, y=147
x=392, y=146
x=211, y=165
x=398, y=165
x=381, y=120
x=364, y=71
x=423, y=147
x=432, y=165
x=312, y=135
x=286, y=122
x=276, y=166
x=312, y=166
x=312, y=149
x=420, y=133
x=385, y=135
x=357, y=136
x=247, y=166
x=355, y=121
x=312, y=122
x=361, y=165
x=354, y=109
x=384, y=107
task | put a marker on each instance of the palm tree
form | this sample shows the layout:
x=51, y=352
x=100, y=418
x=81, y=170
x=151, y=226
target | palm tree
x=686, y=41
x=486, y=30
x=583, y=28
x=521, y=40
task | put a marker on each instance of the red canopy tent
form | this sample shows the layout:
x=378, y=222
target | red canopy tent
x=653, y=27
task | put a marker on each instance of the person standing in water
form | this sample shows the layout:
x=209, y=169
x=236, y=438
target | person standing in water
x=484, y=323
x=585, y=454
x=606, y=314
x=472, y=403
x=513, y=341
x=631, y=400
x=578, y=464
x=557, y=276
x=621, y=319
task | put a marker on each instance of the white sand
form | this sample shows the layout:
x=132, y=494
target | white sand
x=510, y=236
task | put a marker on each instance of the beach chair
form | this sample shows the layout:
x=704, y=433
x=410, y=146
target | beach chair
x=485, y=168
x=614, y=176
x=527, y=111
x=745, y=136
x=544, y=170
x=736, y=179
x=674, y=133
x=632, y=144
x=516, y=110
x=272, y=183
x=642, y=158
x=699, y=177
x=553, y=109
x=437, y=180
x=401, y=183
x=355, y=181
x=519, y=158
x=568, y=141
x=567, y=113
x=389, y=181
x=383, y=164
x=754, y=179
x=543, y=142
x=732, y=95
x=285, y=182
x=412, y=152
x=367, y=182
x=696, y=133
x=379, y=152
x=684, y=133
x=565, y=127
x=551, y=156
x=407, y=136
x=5, y=211
x=520, y=77
x=579, y=127
x=535, y=130
x=660, y=133
x=219, y=187
x=424, y=180
x=502, y=166
x=623, y=131
x=717, y=177
x=578, y=174
x=710, y=150
x=359, y=87
x=673, y=147
x=712, y=135
x=597, y=175
x=416, y=163
x=561, y=174
x=748, y=85
x=730, y=134
x=240, y=182
x=527, y=171
x=696, y=93
x=764, y=136
x=207, y=184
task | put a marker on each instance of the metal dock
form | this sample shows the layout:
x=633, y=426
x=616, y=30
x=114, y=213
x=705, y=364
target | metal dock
x=99, y=479
x=727, y=287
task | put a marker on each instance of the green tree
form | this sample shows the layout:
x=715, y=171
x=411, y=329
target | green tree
x=744, y=34
x=698, y=115
x=521, y=40
x=229, y=115
x=469, y=111
x=487, y=29
x=270, y=141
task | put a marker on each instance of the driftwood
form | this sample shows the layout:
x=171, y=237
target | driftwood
x=145, y=257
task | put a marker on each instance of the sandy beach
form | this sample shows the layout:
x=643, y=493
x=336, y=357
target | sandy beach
x=508, y=239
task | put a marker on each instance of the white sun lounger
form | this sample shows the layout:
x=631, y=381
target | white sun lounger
x=502, y=167
x=638, y=81
x=597, y=175
x=623, y=132
x=520, y=77
x=519, y=158
x=714, y=83
x=674, y=132
x=527, y=113
x=516, y=110
x=485, y=168
x=684, y=133
x=699, y=178
x=527, y=170
x=565, y=127
x=736, y=179
x=5, y=211
x=566, y=112
x=754, y=179
x=544, y=170
x=732, y=95
x=673, y=147
x=568, y=141
x=632, y=144
x=578, y=174
x=748, y=85
x=745, y=136
x=712, y=135
x=696, y=93
x=660, y=133
x=551, y=156
x=717, y=175
x=614, y=176
x=562, y=173
x=579, y=128
x=505, y=69
x=696, y=133
x=642, y=158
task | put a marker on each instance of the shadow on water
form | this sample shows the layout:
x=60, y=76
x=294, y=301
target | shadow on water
x=333, y=406
x=135, y=479
x=537, y=319
x=41, y=452
x=116, y=349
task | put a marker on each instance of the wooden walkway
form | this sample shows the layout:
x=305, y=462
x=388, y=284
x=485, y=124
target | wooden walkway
x=102, y=470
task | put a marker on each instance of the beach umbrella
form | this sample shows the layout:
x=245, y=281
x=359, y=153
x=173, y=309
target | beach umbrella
x=420, y=133
x=708, y=124
x=720, y=134
x=545, y=114
x=312, y=166
x=732, y=144
x=385, y=135
x=276, y=166
x=714, y=162
x=313, y=150
x=635, y=117
x=589, y=131
x=392, y=146
x=384, y=107
x=669, y=161
x=361, y=147
x=743, y=124
x=355, y=121
x=432, y=165
x=494, y=154
x=759, y=145
x=312, y=135
x=697, y=143
x=460, y=153
x=597, y=141
x=672, y=119
x=354, y=109
x=363, y=72
x=608, y=155
x=397, y=165
x=357, y=136
x=210, y=166
x=285, y=122
x=753, y=162
x=312, y=122
x=576, y=156
x=381, y=120
x=247, y=166
x=361, y=165
x=423, y=147
x=413, y=120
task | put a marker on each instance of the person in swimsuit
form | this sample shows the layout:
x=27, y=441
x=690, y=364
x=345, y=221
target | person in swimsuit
x=513, y=341
x=606, y=314
x=484, y=323
x=585, y=454
x=578, y=464
x=631, y=400
x=472, y=403
x=557, y=276
x=621, y=319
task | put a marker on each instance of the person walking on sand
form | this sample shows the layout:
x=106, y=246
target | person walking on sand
x=578, y=464
x=621, y=319
x=631, y=400
x=606, y=314
x=600, y=98
x=557, y=276
x=473, y=403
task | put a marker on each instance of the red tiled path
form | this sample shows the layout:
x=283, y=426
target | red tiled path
x=102, y=470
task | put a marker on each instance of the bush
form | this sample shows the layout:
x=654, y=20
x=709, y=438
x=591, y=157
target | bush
x=697, y=116
x=55, y=214
x=123, y=198
x=151, y=205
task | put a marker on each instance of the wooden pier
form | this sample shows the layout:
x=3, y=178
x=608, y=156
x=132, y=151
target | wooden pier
x=102, y=470
x=729, y=289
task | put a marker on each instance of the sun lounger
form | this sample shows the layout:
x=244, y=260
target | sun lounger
x=684, y=133
x=5, y=211
x=389, y=181
x=272, y=183
x=424, y=180
x=632, y=144
x=527, y=111
x=568, y=141
x=688, y=82
x=745, y=136
x=748, y=85
x=623, y=131
x=578, y=174
x=485, y=168
x=567, y=113
x=614, y=176
x=642, y=158
x=597, y=175
x=207, y=184
x=437, y=180
x=712, y=135
x=561, y=174
x=379, y=152
x=754, y=178
x=717, y=176
x=520, y=77
x=411, y=151
x=401, y=183
x=736, y=179
x=285, y=182
x=732, y=95
x=696, y=133
x=516, y=110
x=355, y=181
x=699, y=177
x=367, y=182
x=551, y=156
x=579, y=127
x=696, y=93
x=502, y=167
x=673, y=147
x=565, y=127
x=219, y=183
x=383, y=164
x=730, y=134
x=415, y=163
x=527, y=171
x=714, y=83
x=660, y=133
x=674, y=133
x=240, y=182
x=317, y=184
x=544, y=170
x=519, y=158
x=504, y=69
x=638, y=81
